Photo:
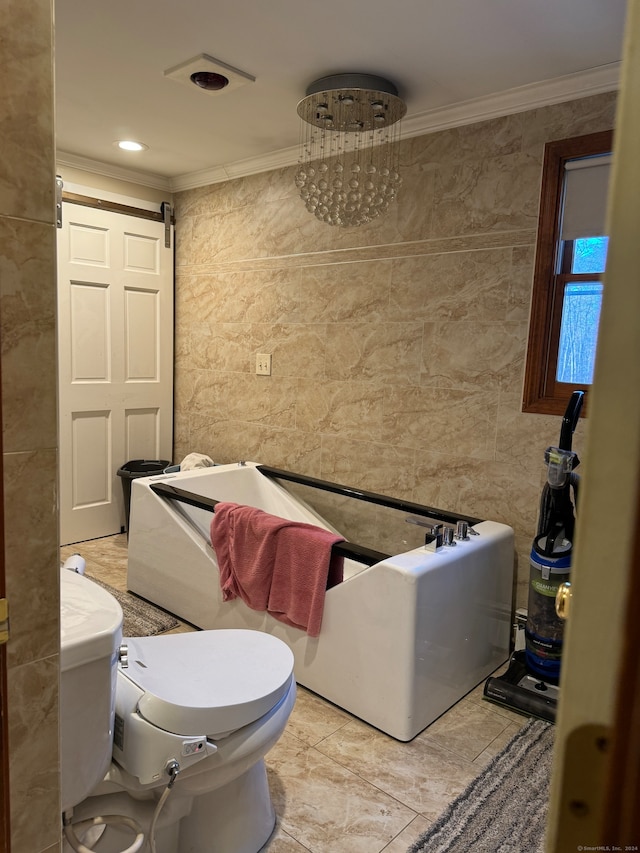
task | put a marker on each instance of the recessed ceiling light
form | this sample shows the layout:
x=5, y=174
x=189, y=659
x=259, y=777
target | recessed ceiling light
x=131, y=145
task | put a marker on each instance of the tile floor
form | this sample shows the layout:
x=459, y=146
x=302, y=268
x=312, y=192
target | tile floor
x=341, y=786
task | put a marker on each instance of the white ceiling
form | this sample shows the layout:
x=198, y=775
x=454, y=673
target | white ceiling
x=452, y=60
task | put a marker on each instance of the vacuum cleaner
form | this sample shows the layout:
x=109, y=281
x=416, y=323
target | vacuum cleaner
x=530, y=685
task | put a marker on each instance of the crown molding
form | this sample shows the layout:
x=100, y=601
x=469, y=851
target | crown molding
x=97, y=167
x=240, y=169
x=582, y=84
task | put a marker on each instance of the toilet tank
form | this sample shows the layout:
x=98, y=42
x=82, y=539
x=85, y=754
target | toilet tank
x=90, y=636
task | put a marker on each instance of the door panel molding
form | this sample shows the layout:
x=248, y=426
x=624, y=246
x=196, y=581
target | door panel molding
x=115, y=358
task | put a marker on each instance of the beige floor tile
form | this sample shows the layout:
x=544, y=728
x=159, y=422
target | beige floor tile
x=408, y=836
x=466, y=729
x=328, y=808
x=421, y=774
x=282, y=842
x=498, y=744
x=314, y=719
x=105, y=558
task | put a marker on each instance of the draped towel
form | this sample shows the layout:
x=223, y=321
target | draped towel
x=272, y=564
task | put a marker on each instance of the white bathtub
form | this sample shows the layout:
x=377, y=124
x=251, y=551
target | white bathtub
x=401, y=641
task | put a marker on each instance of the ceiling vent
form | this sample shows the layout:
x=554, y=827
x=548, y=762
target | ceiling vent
x=209, y=75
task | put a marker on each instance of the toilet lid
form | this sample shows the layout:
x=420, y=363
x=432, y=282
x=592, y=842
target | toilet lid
x=208, y=682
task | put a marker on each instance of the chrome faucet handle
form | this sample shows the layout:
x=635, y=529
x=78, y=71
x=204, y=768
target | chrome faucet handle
x=462, y=530
x=433, y=540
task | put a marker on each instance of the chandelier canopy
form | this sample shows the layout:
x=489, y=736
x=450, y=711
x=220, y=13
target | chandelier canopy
x=349, y=148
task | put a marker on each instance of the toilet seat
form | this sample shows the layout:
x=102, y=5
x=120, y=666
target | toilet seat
x=208, y=682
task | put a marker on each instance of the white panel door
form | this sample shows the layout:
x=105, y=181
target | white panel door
x=115, y=361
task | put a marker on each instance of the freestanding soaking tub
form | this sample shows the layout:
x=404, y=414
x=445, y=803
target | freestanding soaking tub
x=403, y=637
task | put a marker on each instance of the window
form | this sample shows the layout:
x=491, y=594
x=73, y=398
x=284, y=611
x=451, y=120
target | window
x=571, y=255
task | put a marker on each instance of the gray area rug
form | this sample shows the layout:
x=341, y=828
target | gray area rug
x=504, y=810
x=141, y=619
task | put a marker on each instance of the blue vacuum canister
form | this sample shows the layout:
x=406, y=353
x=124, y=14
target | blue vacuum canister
x=530, y=684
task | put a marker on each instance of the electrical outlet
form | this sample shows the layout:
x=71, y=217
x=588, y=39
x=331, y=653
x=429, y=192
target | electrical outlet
x=263, y=364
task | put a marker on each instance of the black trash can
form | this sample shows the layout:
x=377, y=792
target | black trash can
x=137, y=468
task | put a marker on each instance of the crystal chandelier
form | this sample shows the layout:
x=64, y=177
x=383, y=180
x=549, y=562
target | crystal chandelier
x=349, y=139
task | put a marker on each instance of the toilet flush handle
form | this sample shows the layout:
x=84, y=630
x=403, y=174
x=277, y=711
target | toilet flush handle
x=123, y=656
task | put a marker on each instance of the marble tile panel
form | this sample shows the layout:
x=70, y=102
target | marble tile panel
x=494, y=194
x=520, y=284
x=341, y=293
x=373, y=466
x=483, y=139
x=377, y=527
x=472, y=355
x=471, y=286
x=314, y=719
x=225, y=347
x=236, y=297
x=389, y=353
x=27, y=311
x=350, y=409
x=371, y=252
x=258, y=231
x=328, y=808
x=196, y=302
x=33, y=754
x=229, y=441
x=442, y=419
x=485, y=489
x=244, y=397
x=524, y=435
x=420, y=774
x=467, y=729
x=268, y=296
x=222, y=197
x=414, y=213
x=571, y=118
x=26, y=123
x=31, y=537
x=220, y=237
x=297, y=349
x=184, y=239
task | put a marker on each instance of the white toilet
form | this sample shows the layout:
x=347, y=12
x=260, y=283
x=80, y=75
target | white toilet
x=169, y=735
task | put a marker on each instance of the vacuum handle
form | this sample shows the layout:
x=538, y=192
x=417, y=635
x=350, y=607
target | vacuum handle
x=570, y=419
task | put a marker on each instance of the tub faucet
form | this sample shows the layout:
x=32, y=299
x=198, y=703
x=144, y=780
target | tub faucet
x=433, y=540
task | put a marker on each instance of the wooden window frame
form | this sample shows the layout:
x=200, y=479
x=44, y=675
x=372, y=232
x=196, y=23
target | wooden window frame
x=542, y=394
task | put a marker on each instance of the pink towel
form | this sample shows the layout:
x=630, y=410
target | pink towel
x=272, y=564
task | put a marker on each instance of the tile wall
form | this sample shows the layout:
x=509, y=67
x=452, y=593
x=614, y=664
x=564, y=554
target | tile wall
x=398, y=347
x=29, y=431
